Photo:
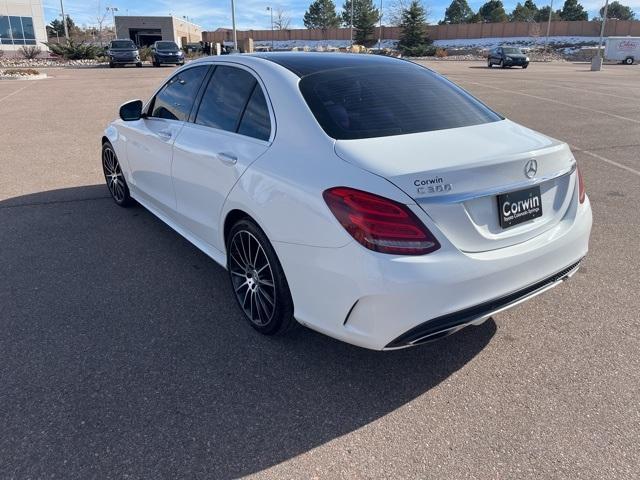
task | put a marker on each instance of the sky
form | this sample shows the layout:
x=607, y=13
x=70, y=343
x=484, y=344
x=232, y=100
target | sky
x=250, y=14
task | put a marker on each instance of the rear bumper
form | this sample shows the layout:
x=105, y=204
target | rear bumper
x=382, y=301
x=451, y=323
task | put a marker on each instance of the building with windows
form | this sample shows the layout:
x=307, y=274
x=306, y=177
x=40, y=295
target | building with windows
x=21, y=23
x=144, y=31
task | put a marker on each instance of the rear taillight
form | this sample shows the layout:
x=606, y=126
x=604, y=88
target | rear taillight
x=582, y=193
x=378, y=223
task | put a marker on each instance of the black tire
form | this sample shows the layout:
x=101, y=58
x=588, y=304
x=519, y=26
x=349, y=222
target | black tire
x=257, y=280
x=628, y=61
x=114, y=177
x=501, y=64
x=111, y=65
x=525, y=66
x=489, y=64
x=139, y=64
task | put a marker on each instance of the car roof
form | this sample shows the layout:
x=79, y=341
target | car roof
x=307, y=63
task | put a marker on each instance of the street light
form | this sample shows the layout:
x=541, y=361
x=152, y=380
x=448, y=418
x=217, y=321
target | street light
x=233, y=21
x=380, y=35
x=351, y=26
x=271, y=10
x=113, y=11
x=64, y=21
x=596, y=62
x=546, y=41
x=188, y=28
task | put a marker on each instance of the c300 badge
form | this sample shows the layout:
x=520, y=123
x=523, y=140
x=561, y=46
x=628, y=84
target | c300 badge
x=432, y=185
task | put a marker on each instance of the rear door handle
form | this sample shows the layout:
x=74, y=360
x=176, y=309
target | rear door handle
x=227, y=158
x=165, y=134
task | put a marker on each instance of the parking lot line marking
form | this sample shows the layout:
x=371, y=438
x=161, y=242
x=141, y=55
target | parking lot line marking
x=606, y=160
x=620, y=117
x=13, y=93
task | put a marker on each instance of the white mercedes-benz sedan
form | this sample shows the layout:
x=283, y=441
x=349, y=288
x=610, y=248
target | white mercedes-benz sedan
x=365, y=197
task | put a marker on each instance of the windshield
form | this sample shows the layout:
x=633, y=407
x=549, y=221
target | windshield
x=512, y=50
x=166, y=46
x=394, y=99
x=123, y=45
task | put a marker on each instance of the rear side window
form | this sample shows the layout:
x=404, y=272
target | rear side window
x=366, y=102
x=255, y=121
x=176, y=98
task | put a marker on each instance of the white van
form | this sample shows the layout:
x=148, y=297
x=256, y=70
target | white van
x=622, y=49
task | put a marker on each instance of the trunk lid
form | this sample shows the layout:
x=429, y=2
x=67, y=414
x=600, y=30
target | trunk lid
x=456, y=175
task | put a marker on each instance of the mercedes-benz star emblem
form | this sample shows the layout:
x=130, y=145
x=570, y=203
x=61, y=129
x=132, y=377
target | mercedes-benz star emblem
x=531, y=168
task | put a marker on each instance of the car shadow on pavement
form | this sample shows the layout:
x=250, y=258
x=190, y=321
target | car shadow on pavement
x=123, y=353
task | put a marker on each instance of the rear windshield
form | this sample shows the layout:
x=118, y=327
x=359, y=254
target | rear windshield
x=511, y=50
x=167, y=46
x=123, y=44
x=395, y=99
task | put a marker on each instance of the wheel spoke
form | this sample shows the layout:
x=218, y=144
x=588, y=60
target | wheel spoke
x=267, y=283
x=266, y=296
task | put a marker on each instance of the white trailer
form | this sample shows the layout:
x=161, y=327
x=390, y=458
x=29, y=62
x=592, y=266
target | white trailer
x=622, y=49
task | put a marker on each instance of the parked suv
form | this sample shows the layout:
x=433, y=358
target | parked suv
x=166, y=52
x=123, y=52
x=507, y=57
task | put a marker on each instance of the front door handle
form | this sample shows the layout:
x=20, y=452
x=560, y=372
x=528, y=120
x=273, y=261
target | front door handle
x=227, y=158
x=165, y=134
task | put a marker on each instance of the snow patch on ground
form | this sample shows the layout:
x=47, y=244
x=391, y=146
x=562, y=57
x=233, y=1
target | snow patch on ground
x=490, y=42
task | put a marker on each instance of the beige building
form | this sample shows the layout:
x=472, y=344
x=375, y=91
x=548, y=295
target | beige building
x=21, y=23
x=146, y=30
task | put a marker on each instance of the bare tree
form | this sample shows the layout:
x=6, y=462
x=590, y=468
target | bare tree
x=392, y=15
x=281, y=20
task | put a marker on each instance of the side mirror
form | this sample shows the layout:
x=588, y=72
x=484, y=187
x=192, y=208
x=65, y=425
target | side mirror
x=131, y=111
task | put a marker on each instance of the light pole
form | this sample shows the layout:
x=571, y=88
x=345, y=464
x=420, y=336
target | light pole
x=596, y=62
x=113, y=11
x=546, y=41
x=351, y=27
x=64, y=22
x=271, y=10
x=233, y=21
x=380, y=34
x=186, y=19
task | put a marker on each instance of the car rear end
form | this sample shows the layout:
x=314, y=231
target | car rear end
x=493, y=213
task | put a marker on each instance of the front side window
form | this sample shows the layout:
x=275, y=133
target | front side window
x=234, y=101
x=176, y=98
x=394, y=99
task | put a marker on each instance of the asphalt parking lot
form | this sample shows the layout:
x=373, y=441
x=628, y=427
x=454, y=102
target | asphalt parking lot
x=123, y=354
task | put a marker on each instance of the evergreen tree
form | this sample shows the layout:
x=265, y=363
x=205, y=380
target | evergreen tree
x=522, y=13
x=572, y=10
x=530, y=4
x=365, y=17
x=414, y=38
x=58, y=27
x=619, y=11
x=321, y=14
x=493, y=11
x=458, y=12
x=542, y=15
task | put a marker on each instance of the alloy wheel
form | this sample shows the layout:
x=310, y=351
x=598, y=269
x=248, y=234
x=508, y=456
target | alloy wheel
x=113, y=175
x=252, y=278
